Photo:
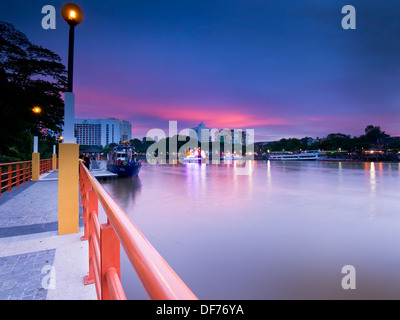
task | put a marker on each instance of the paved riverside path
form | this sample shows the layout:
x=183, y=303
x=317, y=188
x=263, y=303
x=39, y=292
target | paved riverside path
x=35, y=262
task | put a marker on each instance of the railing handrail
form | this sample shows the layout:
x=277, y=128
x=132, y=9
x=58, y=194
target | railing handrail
x=158, y=278
x=13, y=163
x=19, y=162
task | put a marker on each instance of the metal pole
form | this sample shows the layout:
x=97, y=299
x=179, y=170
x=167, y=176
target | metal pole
x=71, y=57
x=36, y=136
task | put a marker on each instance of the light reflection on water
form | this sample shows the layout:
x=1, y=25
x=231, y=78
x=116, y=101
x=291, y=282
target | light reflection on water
x=269, y=230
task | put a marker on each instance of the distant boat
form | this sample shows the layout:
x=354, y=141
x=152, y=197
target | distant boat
x=194, y=155
x=231, y=157
x=123, y=161
x=295, y=156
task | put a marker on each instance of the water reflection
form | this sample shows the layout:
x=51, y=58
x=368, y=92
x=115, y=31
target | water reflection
x=372, y=177
x=269, y=176
x=126, y=190
x=284, y=231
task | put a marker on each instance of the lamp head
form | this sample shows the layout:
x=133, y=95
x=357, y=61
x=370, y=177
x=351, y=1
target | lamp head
x=72, y=13
x=37, y=110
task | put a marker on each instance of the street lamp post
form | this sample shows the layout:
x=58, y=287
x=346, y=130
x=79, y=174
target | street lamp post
x=73, y=15
x=68, y=176
x=35, y=154
x=37, y=110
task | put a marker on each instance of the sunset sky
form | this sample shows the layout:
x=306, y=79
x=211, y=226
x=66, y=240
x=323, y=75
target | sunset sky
x=283, y=68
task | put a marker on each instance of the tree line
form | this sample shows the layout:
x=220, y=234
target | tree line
x=373, y=137
x=30, y=76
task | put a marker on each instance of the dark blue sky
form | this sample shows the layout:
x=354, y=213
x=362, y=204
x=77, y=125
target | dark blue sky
x=284, y=68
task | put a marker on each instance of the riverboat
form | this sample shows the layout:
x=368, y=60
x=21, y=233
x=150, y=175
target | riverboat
x=294, y=156
x=123, y=161
x=194, y=155
x=230, y=156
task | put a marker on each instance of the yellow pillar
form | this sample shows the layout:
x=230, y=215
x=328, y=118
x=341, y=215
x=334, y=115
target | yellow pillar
x=35, y=166
x=54, y=162
x=68, y=188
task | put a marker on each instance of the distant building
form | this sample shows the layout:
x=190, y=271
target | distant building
x=384, y=141
x=201, y=137
x=101, y=132
x=309, y=141
x=232, y=136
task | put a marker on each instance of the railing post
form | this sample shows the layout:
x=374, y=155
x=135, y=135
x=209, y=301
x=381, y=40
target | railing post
x=9, y=177
x=23, y=172
x=1, y=178
x=35, y=166
x=54, y=162
x=17, y=175
x=89, y=278
x=68, y=189
x=91, y=205
x=110, y=256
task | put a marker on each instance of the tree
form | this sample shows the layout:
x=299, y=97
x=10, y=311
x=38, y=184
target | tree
x=336, y=141
x=373, y=133
x=30, y=75
x=291, y=144
x=108, y=148
x=137, y=144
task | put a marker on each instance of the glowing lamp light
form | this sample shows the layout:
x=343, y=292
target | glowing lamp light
x=37, y=110
x=72, y=13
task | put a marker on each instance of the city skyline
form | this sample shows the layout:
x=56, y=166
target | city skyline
x=284, y=70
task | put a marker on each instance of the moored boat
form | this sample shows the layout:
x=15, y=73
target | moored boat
x=123, y=161
x=295, y=156
x=194, y=155
x=230, y=156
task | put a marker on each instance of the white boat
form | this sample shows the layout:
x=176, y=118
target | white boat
x=231, y=157
x=295, y=156
x=192, y=158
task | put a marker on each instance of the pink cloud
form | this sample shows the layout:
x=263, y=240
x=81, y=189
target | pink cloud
x=108, y=105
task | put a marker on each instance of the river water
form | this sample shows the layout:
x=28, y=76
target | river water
x=269, y=230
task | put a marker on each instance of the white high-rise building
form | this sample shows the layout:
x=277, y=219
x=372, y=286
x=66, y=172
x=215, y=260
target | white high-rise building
x=96, y=132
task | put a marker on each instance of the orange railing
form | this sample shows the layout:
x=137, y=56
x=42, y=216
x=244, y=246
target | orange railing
x=46, y=165
x=14, y=173
x=157, y=277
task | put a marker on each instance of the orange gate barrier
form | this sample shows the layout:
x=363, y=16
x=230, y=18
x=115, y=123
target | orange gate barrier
x=157, y=277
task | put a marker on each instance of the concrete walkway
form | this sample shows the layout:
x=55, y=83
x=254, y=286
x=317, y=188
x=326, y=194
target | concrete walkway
x=35, y=262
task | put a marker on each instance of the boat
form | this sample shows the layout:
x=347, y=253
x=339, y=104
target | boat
x=123, y=161
x=194, y=155
x=295, y=156
x=230, y=156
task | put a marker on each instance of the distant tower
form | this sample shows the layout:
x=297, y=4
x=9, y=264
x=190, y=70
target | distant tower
x=198, y=129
